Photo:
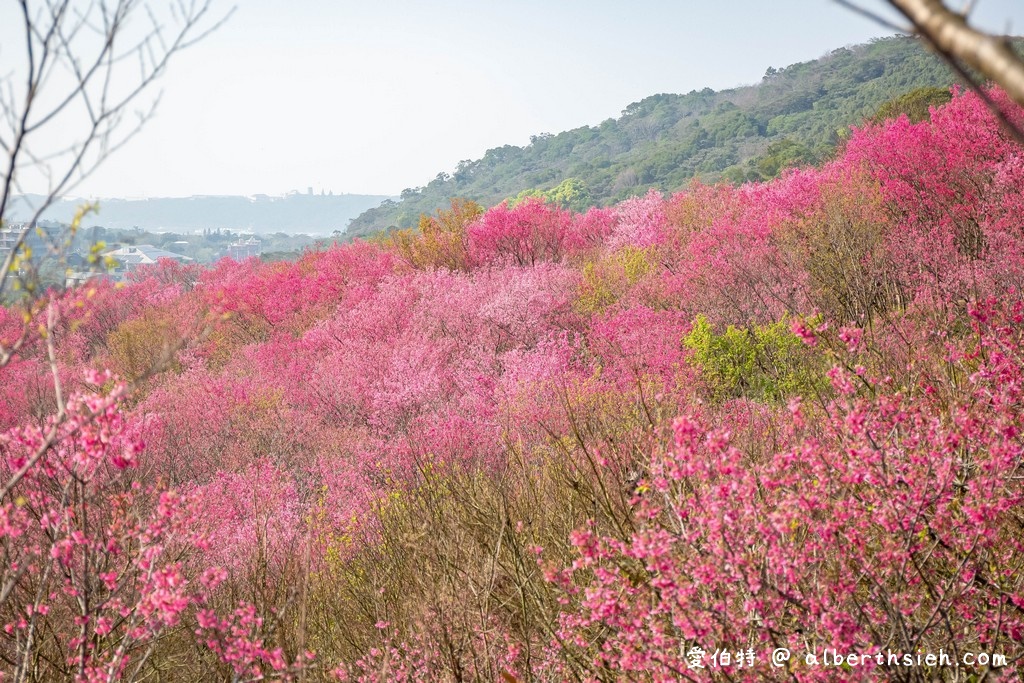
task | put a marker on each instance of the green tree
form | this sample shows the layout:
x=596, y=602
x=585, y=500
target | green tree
x=916, y=104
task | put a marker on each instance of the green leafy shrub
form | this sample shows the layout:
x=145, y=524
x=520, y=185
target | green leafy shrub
x=761, y=362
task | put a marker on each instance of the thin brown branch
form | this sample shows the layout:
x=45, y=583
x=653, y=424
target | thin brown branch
x=49, y=37
x=991, y=56
x=963, y=48
x=873, y=16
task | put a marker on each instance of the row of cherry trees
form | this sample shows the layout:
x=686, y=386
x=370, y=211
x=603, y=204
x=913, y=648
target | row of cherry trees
x=528, y=444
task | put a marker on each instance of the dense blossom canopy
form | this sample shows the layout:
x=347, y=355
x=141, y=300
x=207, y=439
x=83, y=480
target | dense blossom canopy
x=530, y=444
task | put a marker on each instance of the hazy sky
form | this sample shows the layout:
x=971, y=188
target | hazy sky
x=380, y=95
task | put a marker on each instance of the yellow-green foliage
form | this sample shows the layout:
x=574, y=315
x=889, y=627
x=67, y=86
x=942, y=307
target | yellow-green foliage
x=571, y=193
x=98, y=260
x=762, y=362
x=605, y=281
x=440, y=241
x=634, y=263
x=144, y=345
x=595, y=293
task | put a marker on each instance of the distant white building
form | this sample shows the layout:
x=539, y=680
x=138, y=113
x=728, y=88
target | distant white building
x=132, y=256
x=243, y=249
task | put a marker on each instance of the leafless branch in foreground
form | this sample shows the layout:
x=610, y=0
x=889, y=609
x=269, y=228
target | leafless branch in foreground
x=76, y=85
x=964, y=48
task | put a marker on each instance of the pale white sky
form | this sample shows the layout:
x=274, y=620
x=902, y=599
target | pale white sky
x=380, y=95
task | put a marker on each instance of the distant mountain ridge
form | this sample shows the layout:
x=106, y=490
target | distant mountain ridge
x=294, y=213
x=796, y=115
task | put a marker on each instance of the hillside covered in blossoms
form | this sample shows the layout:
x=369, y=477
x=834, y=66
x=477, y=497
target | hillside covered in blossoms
x=527, y=444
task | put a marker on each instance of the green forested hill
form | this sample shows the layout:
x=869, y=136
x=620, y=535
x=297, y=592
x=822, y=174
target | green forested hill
x=795, y=115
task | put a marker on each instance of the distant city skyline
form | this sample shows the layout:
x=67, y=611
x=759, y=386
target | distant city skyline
x=372, y=98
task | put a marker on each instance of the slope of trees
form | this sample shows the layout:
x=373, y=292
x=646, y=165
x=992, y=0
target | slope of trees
x=536, y=444
x=665, y=140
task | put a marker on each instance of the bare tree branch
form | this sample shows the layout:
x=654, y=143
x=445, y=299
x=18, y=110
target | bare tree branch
x=84, y=66
x=963, y=48
x=874, y=16
x=991, y=56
